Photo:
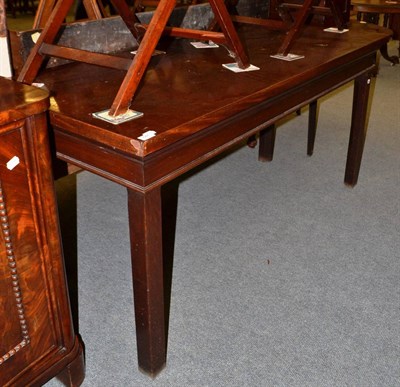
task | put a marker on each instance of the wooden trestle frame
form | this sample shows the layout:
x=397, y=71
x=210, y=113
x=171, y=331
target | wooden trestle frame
x=135, y=67
x=303, y=12
x=55, y=13
x=292, y=25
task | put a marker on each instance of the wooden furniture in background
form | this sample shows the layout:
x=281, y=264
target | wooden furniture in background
x=303, y=12
x=193, y=111
x=391, y=10
x=267, y=136
x=319, y=7
x=37, y=336
x=20, y=6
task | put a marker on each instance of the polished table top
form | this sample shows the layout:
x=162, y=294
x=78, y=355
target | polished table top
x=187, y=90
x=196, y=107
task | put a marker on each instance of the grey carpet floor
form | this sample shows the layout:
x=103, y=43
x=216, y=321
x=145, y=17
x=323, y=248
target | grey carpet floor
x=282, y=276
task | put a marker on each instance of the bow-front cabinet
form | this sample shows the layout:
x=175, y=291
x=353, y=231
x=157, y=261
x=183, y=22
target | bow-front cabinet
x=37, y=336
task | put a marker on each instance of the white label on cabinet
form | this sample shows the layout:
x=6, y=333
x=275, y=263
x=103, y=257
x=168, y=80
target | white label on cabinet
x=12, y=163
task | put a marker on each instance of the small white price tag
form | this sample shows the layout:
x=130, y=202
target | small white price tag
x=146, y=135
x=12, y=163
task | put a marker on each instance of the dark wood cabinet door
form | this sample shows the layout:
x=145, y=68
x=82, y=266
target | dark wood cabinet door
x=37, y=338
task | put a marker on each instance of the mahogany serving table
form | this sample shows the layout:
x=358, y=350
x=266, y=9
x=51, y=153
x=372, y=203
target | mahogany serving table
x=197, y=110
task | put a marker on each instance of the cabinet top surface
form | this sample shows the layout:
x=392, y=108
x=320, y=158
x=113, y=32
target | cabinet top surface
x=187, y=89
x=18, y=101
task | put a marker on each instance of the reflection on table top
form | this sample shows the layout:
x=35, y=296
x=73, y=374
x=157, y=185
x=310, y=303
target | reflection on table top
x=187, y=89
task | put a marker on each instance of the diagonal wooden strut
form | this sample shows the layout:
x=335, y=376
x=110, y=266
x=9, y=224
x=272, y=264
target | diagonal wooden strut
x=48, y=35
x=93, y=8
x=141, y=59
x=304, y=11
x=294, y=31
x=45, y=45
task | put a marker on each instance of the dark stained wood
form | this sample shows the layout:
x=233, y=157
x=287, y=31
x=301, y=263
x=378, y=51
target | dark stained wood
x=304, y=10
x=48, y=35
x=147, y=269
x=113, y=62
x=268, y=136
x=377, y=6
x=179, y=32
x=391, y=10
x=323, y=9
x=222, y=93
x=85, y=35
x=139, y=64
x=267, y=143
x=318, y=10
x=37, y=336
x=232, y=39
x=268, y=23
x=149, y=41
x=339, y=19
x=128, y=16
x=198, y=110
x=43, y=12
x=358, y=130
x=94, y=10
x=312, y=126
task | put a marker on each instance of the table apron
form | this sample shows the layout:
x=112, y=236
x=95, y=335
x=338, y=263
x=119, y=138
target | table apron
x=144, y=174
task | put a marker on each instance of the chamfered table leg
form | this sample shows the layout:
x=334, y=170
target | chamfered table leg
x=267, y=143
x=147, y=272
x=358, y=128
x=312, y=126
